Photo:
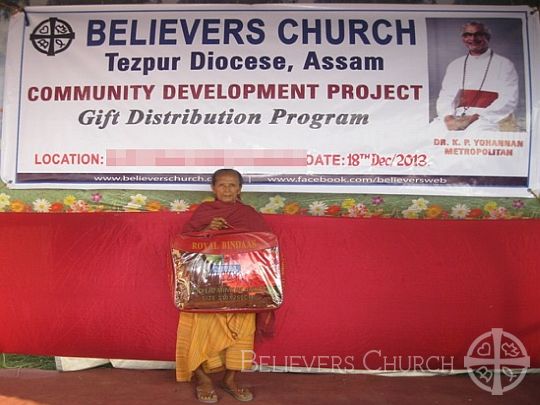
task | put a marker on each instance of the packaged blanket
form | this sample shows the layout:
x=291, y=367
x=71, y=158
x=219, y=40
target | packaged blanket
x=227, y=271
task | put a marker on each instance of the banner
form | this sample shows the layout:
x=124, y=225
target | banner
x=325, y=98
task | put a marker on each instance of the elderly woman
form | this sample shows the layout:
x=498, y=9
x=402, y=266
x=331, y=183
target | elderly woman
x=213, y=342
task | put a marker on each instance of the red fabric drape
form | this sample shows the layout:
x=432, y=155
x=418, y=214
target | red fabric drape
x=98, y=285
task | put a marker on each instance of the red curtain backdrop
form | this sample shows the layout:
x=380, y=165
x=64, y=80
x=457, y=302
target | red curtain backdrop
x=365, y=291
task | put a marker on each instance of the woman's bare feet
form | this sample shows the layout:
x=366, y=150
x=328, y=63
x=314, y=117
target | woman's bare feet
x=229, y=386
x=204, y=389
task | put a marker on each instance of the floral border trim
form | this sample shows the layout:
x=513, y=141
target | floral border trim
x=417, y=208
x=353, y=206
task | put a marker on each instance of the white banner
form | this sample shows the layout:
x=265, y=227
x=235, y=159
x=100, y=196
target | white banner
x=341, y=98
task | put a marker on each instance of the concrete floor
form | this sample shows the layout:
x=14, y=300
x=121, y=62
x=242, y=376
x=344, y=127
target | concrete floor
x=136, y=387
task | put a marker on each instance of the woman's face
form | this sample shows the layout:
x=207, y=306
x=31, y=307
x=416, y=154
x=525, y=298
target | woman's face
x=227, y=188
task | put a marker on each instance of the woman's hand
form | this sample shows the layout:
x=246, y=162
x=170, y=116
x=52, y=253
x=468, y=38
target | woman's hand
x=218, y=223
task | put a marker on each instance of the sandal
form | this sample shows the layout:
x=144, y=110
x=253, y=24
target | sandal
x=240, y=394
x=206, y=396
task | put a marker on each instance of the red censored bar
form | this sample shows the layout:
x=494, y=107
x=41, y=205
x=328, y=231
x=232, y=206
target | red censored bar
x=206, y=157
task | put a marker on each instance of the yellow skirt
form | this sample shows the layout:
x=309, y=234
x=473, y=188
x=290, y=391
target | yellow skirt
x=216, y=341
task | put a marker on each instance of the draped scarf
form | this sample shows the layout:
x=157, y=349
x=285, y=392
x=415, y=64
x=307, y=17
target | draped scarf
x=238, y=215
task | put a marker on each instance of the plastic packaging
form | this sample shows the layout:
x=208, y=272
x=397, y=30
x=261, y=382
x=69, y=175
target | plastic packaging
x=227, y=272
